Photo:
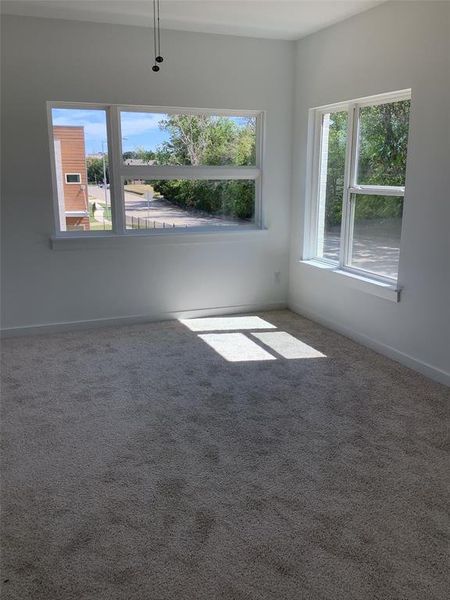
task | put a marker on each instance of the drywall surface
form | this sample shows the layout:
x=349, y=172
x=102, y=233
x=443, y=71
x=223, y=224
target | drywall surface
x=392, y=47
x=52, y=60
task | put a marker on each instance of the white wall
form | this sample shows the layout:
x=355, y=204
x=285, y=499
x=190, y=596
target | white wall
x=392, y=47
x=62, y=60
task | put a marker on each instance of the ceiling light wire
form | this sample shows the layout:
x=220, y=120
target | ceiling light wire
x=156, y=35
x=159, y=32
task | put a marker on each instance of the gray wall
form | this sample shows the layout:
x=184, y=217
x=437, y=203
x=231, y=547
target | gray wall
x=392, y=47
x=61, y=60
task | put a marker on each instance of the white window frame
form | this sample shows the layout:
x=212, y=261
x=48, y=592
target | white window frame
x=66, y=175
x=312, y=226
x=119, y=170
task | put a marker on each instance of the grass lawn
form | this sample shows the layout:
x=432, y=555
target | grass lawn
x=138, y=188
x=99, y=205
x=97, y=226
x=107, y=213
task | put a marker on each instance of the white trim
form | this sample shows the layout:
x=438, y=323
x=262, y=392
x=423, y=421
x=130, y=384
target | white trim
x=345, y=246
x=382, y=98
x=322, y=182
x=76, y=213
x=88, y=105
x=168, y=110
x=59, y=184
x=401, y=357
x=48, y=328
x=313, y=153
x=51, y=139
x=116, y=194
x=369, y=276
x=361, y=281
x=377, y=190
x=73, y=182
x=72, y=240
x=260, y=160
x=186, y=110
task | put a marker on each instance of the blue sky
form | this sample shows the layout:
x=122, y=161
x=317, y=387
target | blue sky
x=139, y=130
x=142, y=130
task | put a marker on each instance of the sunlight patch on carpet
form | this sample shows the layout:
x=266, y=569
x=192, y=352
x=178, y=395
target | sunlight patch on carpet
x=235, y=347
x=226, y=323
x=287, y=345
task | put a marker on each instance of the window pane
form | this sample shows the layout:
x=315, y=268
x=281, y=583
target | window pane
x=73, y=178
x=331, y=183
x=376, y=234
x=383, y=143
x=162, y=139
x=81, y=168
x=188, y=203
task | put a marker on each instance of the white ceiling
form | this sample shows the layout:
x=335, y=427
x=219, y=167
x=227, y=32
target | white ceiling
x=279, y=19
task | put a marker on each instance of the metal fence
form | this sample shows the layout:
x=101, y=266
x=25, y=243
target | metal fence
x=146, y=223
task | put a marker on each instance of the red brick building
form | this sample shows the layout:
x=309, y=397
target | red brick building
x=71, y=177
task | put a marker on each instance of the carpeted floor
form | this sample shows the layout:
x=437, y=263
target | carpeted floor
x=140, y=464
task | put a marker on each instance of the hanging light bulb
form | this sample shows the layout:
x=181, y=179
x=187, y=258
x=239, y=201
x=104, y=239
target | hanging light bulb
x=156, y=36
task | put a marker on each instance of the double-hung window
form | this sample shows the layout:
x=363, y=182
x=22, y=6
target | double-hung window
x=133, y=169
x=357, y=185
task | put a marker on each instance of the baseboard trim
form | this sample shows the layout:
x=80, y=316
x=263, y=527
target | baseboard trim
x=405, y=359
x=46, y=328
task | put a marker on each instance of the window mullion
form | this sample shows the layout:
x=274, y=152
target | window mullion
x=378, y=190
x=115, y=160
x=188, y=172
x=349, y=178
x=258, y=181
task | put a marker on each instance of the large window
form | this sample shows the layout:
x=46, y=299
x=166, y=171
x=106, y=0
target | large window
x=127, y=169
x=357, y=184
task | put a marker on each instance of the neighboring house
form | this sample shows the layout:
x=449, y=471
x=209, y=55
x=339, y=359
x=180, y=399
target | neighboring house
x=71, y=177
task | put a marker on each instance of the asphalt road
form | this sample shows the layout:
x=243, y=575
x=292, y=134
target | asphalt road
x=158, y=213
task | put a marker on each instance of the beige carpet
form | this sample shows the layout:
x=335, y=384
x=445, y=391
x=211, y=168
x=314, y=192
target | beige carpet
x=139, y=463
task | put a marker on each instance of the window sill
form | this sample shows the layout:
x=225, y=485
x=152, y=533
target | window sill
x=106, y=240
x=386, y=290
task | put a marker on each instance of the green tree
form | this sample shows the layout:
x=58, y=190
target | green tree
x=382, y=159
x=140, y=154
x=337, y=143
x=129, y=154
x=206, y=140
x=95, y=169
x=383, y=143
x=246, y=144
x=144, y=155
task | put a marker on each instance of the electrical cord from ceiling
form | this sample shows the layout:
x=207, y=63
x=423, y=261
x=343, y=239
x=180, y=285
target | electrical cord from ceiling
x=156, y=36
